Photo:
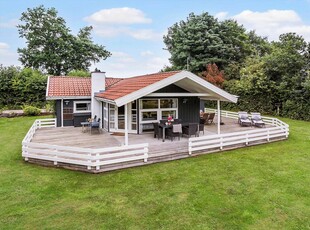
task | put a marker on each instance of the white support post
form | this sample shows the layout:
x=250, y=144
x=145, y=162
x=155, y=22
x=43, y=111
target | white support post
x=126, y=124
x=218, y=117
x=62, y=112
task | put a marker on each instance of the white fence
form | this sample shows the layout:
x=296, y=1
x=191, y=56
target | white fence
x=279, y=130
x=79, y=156
x=37, y=124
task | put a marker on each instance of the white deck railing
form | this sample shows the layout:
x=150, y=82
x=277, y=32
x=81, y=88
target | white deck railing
x=79, y=156
x=279, y=130
x=37, y=124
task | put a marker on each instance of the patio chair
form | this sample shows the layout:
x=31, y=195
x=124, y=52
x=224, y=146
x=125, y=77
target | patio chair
x=157, y=130
x=243, y=119
x=210, y=119
x=95, y=125
x=201, y=128
x=191, y=129
x=204, y=118
x=163, y=121
x=257, y=120
x=177, y=121
x=175, y=131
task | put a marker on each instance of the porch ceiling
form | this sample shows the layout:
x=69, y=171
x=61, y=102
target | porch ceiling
x=195, y=88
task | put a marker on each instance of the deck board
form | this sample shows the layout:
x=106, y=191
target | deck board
x=70, y=136
x=159, y=151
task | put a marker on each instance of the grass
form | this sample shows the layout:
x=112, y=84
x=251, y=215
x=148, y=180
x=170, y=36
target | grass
x=261, y=187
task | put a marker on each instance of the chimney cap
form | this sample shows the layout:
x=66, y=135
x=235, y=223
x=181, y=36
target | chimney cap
x=97, y=71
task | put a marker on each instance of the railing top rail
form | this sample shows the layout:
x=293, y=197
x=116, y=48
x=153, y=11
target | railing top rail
x=120, y=148
x=235, y=114
x=258, y=131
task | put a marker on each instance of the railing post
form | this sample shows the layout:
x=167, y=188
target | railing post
x=97, y=161
x=268, y=135
x=89, y=161
x=221, y=143
x=189, y=147
x=146, y=150
x=25, y=152
x=56, y=156
x=247, y=139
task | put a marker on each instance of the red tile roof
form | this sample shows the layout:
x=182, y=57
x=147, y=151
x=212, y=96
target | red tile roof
x=63, y=86
x=130, y=85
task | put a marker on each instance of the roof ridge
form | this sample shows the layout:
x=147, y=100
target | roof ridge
x=150, y=74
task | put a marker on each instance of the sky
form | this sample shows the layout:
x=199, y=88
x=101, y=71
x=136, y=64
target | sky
x=132, y=30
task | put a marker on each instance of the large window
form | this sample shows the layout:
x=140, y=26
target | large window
x=153, y=110
x=82, y=107
x=149, y=104
x=168, y=103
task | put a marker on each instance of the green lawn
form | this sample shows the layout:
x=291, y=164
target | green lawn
x=261, y=187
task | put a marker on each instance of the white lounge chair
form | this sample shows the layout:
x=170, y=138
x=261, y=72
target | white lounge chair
x=257, y=120
x=244, y=119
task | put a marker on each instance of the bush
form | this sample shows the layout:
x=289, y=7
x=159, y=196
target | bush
x=31, y=111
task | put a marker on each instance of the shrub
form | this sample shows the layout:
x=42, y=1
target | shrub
x=31, y=111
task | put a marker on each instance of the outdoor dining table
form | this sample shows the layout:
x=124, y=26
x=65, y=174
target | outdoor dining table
x=85, y=125
x=165, y=126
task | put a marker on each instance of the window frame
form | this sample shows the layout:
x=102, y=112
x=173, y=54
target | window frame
x=81, y=102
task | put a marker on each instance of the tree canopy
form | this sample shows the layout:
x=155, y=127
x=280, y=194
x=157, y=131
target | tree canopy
x=202, y=39
x=51, y=47
x=263, y=74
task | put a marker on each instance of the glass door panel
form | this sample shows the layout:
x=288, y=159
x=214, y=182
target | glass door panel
x=121, y=117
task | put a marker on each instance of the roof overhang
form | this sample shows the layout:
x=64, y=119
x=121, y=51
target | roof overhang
x=184, y=79
x=105, y=100
x=50, y=98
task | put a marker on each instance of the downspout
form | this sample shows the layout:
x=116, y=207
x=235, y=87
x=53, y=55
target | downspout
x=218, y=117
x=126, y=124
x=62, y=112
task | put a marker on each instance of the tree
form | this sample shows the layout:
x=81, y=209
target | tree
x=213, y=75
x=79, y=73
x=7, y=74
x=50, y=45
x=21, y=86
x=203, y=39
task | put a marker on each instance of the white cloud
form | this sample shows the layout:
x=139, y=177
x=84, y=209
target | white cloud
x=4, y=45
x=121, y=64
x=7, y=57
x=146, y=53
x=145, y=34
x=120, y=16
x=122, y=57
x=139, y=34
x=9, y=24
x=221, y=15
x=273, y=23
x=120, y=21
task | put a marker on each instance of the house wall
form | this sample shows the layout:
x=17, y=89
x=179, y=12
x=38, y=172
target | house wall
x=189, y=108
x=69, y=117
x=171, y=89
x=189, y=111
x=58, y=113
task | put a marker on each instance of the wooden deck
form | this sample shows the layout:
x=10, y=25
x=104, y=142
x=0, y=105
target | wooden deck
x=71, y=148
x=158, y=150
